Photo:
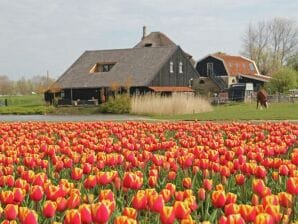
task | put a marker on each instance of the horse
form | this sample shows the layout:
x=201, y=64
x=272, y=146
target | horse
x=262, y=99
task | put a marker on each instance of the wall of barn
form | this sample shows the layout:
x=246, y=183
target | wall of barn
x=218, y=67
x=165, y=78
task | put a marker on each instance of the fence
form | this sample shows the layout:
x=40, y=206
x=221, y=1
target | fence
x=276, y=98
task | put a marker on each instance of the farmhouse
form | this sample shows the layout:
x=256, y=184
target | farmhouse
x=220, y=72
x=155, y=64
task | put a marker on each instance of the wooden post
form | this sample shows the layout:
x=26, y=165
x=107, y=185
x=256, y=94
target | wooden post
x=71, y=96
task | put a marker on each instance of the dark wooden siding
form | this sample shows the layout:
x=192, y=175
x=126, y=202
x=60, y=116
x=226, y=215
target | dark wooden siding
x=165, y=78
x=218, y=67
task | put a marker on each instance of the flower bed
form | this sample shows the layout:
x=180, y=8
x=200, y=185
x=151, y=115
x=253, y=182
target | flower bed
x=138, y=172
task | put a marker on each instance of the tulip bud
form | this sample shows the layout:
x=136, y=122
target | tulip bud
x=202, y=194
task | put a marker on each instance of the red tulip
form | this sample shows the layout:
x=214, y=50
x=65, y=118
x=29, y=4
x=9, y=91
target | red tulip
x=85, y=211
x=72, y=216
x=49, y=209
x=73, y=201
x=100, y=212
x=231, y=198
x=207, y=184
x=90, y=182
x=61, y=204
x=152, y=181
x=231, y=209
x=167, y=215
x=292, y=185
x=218, y=198
x=156, y=203
x=264, y=218
x=30, y=217
x=258, y=186
x=248, y=212
x=18, y=195
x=235, y=219
x=240, y=179
x=285, y=199
x=130, y=212
x=11, y=212
x=7, y=197
x=76, y=173
x=181, y=209
x=36, y=193
x=202, y=194
x=166, y=194
x=139, y=201
x=186, y=182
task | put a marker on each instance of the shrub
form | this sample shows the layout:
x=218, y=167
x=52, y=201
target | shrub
x=118, y=105
x=175, y=104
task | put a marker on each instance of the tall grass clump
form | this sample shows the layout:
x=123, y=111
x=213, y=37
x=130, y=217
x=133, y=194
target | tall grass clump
x=169, y=105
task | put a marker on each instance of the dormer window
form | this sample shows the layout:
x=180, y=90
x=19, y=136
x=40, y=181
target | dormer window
x=148, y=45
x=102, y=67
x=252, y=67
x=180, y=67
x=171, y=67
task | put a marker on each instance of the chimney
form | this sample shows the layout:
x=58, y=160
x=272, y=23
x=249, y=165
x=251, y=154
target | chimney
x=144, y=32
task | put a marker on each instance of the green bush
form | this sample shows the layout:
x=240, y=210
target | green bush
x=119, y=105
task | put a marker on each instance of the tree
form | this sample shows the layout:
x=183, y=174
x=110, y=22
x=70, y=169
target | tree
x=293, y=62
x=6, y=85
x=270, y=44
x=283, y=80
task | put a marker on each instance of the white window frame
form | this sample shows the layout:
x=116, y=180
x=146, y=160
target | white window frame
x=180, y=67
x=171, y=67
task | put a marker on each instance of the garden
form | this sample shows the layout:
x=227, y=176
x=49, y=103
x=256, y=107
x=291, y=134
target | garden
x=148, y=172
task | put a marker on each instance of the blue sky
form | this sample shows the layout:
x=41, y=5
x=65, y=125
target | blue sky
x=41, y=35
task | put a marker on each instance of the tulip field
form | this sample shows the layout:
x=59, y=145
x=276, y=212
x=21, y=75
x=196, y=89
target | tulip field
x=147, y=172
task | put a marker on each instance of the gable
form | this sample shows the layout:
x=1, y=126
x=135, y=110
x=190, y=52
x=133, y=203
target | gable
x=218, y=66
x=176, y=71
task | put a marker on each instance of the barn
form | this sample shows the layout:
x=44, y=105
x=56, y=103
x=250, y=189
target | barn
x=220, y=72
x=155, y=64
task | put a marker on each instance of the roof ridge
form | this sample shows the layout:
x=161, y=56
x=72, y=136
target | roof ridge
x=126, y=49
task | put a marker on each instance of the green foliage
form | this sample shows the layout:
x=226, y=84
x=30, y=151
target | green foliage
x=119, y=105
x=283, y=80
x=293, y=62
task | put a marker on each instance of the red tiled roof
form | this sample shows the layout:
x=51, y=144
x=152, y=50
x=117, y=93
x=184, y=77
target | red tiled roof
x=237, y=65
x=171, y=88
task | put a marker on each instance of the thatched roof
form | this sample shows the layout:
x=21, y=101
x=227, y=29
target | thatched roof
x=157, y=39
x=138, y=66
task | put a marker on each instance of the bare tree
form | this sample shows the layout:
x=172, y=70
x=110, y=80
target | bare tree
x=6, y=85
x=271, y=43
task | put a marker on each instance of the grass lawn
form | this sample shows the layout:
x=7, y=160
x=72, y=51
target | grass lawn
x=29, y=104
x=242, y=111
x=35, y=104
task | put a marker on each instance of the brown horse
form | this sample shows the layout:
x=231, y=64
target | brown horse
x=262, y=98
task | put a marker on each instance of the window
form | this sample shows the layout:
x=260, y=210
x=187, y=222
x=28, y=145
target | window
x=171, y=67
x=209, y=69
x=180, y=67
x=244, y=66
x=251, y=66
x=202, y=81
x=230, y=64
x=102, y=67
x=148, y=45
